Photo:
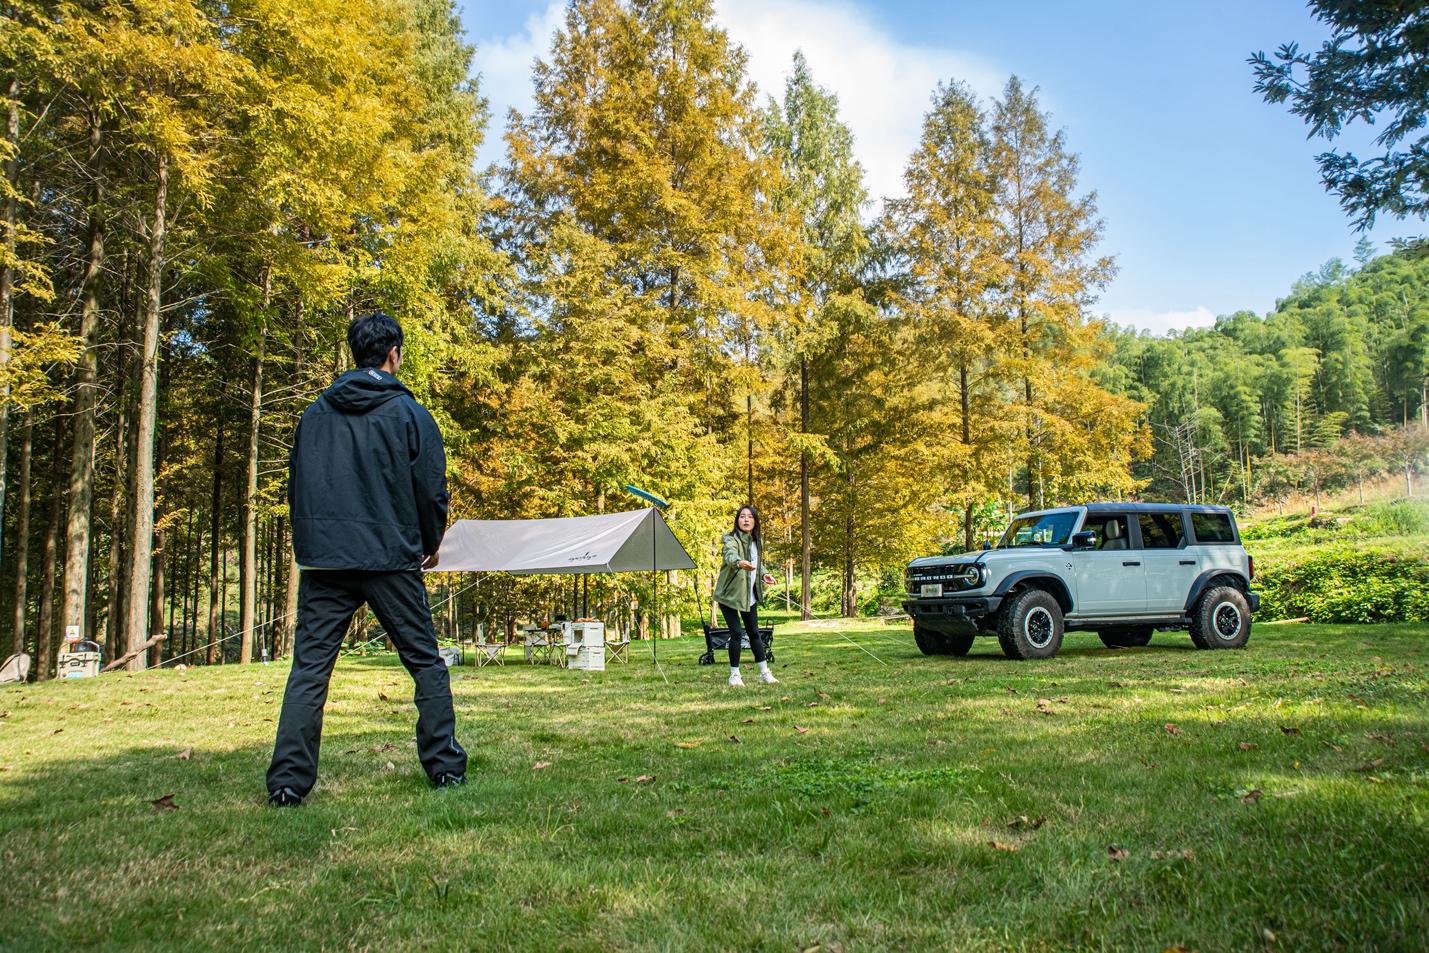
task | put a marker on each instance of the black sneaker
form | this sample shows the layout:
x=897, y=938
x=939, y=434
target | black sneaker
x=448, y=780
x=285, y=797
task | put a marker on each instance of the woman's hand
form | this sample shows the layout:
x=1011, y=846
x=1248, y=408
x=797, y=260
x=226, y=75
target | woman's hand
x=769, y=580
x=746, y=564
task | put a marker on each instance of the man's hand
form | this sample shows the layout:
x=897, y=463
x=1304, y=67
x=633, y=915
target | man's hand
x=769, y=580
x=746, y=564
x=429, y=563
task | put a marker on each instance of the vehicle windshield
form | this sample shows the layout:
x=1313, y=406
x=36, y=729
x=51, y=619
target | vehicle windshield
x=1049, y=529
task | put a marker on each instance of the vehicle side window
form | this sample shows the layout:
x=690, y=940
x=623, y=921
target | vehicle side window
x=1160, y=530
x=1111, y=531
x=1212, y=528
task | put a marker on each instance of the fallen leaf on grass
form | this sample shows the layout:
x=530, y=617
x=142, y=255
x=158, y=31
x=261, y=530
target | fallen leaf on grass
x=1247, y=746
x=389, y=766
x=1012, y=691
x=688, y=744
x=1044, y=703
x=826, y=812
x=677, y=812
x=1024, y=822
x=1376, y=736
x=1116, y=854
x=999, y=845
x=822, y=695
x=644, y=777
x=735, y=739
x=811, y=949
x=7, y=767
x=1291, y=730
x=816, y=704
x=937, y=741
x=882, y=701
x=58, y=730
x=802, y=731
x=1375, y=779
x=1172, y=730
x=185, y=755
x=350, y=751
x=382, y=696
x=766, y=707
x=623, y=780
x=165, y=803
x=747, y=721
x=1007, y=711
x=1252, y=796
x=539, y=765
x=1336, y=747
x=1179, y=949
x=1177, y=691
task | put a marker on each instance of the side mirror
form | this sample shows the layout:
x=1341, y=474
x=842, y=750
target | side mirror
x=1087, y=540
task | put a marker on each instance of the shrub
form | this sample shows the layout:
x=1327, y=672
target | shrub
x=1343, y=585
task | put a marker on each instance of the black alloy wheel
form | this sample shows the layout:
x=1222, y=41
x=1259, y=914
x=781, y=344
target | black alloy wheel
x=1221, y=619
x=1030, y=625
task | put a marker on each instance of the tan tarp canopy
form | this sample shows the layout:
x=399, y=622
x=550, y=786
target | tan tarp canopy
x=637, y=541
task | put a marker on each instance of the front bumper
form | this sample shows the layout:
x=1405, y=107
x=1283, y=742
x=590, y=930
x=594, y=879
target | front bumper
x=959, y=611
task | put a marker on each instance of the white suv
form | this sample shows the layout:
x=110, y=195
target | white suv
x=1120, y=569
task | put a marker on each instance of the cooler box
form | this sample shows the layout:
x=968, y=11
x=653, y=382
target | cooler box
x=80, y=660
x=451, y=654
x=586, y=648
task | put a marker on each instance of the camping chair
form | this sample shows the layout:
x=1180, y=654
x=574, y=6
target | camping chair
x=489, y=653
x=618, y=648
x=16, y=668
x=538, y=644
x=718, y=639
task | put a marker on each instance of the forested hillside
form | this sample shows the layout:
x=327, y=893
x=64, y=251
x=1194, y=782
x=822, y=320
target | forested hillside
x=673, y=280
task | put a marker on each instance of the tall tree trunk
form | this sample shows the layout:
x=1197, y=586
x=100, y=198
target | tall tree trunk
x=144, y=438
x=118, y=526
x=968, y=444
x=159, y=557
x=850, y=567
x=22, y=535
x=215, y=535
x=806, y=546
x=81, y=473
x=7, y=273
x=288, y=623
x=44, y=629
x=248, y=569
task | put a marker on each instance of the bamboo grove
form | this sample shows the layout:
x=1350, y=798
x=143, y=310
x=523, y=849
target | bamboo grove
x=668, y=282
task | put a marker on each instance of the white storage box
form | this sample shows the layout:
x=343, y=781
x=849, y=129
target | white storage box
x=586, y=648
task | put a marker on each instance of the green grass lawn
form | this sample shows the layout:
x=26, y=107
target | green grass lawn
x=867, y=803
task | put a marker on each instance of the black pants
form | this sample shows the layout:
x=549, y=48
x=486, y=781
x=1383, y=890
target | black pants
x=326, y=601
x=732, y=619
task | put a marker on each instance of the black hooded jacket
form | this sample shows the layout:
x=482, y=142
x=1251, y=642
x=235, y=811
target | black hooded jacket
x=367, y=477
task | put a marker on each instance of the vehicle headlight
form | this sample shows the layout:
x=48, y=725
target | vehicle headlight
x=970, y=577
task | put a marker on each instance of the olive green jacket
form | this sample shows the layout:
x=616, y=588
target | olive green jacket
x=732, y=587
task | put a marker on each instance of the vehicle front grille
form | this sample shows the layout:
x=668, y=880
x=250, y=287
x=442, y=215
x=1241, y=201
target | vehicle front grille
x=952, y=577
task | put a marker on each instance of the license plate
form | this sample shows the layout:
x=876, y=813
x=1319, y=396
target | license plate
x=931, y=590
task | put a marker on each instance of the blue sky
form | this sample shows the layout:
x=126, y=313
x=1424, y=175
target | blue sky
x=1211, y=198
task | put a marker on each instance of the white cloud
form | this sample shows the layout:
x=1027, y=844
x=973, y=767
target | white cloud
x=505, y=63
x=883, y=84
x=1160, y=322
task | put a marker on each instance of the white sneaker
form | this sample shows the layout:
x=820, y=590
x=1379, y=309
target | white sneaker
x=735, y=681
x=767, y=678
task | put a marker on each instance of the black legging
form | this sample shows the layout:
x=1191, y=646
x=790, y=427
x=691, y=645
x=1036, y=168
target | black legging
x=732, y=619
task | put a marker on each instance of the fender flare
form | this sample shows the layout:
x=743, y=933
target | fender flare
x=1057, y=586
x=1203, y=580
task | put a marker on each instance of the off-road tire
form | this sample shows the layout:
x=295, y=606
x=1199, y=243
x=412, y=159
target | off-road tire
x=931, y=642
x=1030, y=625
x=1220, y=619
x=1126, y=638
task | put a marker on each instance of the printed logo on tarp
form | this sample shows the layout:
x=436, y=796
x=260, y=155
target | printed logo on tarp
x=585, y=558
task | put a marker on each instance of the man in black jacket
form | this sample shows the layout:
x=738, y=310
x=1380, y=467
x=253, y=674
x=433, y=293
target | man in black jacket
x=367, y=495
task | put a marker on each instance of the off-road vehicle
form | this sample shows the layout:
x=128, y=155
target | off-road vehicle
x=1122, y=570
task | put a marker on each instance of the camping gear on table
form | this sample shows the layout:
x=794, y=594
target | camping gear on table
x=16, y=668
x=80, y=659
x=451, y=654
x=718, y=640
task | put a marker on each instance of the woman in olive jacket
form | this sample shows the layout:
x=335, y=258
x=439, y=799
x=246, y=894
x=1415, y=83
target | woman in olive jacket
x=739, y=589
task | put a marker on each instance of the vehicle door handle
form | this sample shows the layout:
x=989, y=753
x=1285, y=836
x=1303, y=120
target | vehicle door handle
x=1131, y=564
x=1188, y=562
